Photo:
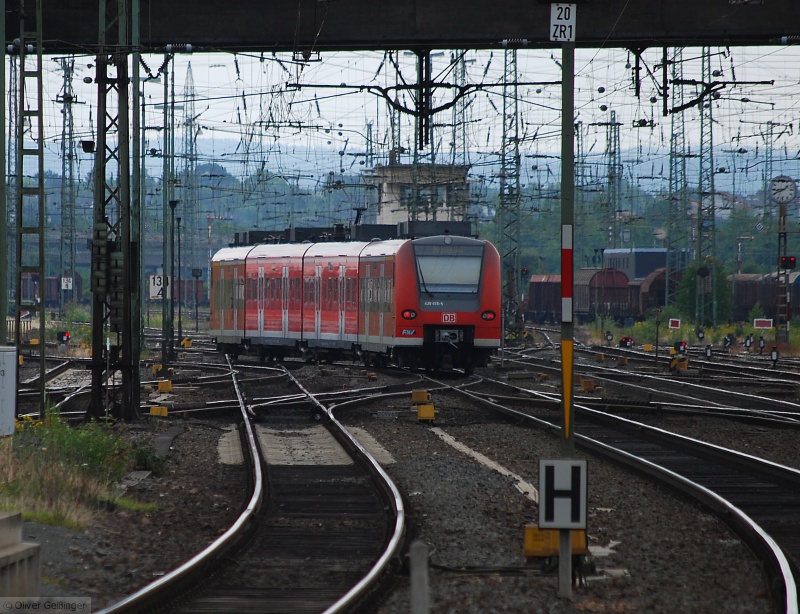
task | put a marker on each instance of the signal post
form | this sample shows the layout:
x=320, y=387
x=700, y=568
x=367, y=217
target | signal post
x=562, y=482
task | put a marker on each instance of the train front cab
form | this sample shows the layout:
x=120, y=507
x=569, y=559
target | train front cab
x=448, y=303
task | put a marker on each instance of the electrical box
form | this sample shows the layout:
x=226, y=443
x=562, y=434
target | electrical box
x=8, y=389
x=425, y=413
x=544, y=543
x=419, y=397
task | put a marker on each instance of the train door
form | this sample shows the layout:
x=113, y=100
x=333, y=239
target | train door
x=339, y=301
x=260, y=301
x=285, y=303
x=366, y=302
x=381, y=302
x=236, y=287
x=317, y=300
x=218, y=303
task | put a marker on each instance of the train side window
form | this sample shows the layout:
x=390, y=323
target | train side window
x=349, y=291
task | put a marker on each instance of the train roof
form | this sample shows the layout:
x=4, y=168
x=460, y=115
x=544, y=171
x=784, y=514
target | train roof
x=279, y=250
x=330, y=249
x=635, y=250
x=656, y=276
x=448, y=239
x=607, y=277
x=764, y=278
x=227, y=254
x=544, y=279
x=384, y=248
x=351, y=249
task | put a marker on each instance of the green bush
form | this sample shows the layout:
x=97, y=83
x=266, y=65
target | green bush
x=57, y=473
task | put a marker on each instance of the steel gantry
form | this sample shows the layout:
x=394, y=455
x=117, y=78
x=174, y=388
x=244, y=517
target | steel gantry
x=67, y=269
x=114, y=278
x=30, y=201
x=706, y=297
x=679, y=213
x=509, y=201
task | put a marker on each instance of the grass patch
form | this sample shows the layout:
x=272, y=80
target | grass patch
x=60, y=475
x=45, y=517
x=132, y=505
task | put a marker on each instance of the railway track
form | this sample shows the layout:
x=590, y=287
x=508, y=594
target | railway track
x=747, y=396
x=757, y=498
x=319, y=531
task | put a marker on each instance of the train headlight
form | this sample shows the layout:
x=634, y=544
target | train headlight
x=489, y=315
x=408, y=314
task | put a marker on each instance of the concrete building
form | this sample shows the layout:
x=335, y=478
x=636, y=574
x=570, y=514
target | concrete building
x=420, y=192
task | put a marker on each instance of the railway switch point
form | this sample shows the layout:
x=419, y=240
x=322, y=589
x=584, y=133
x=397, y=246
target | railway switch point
x=159, y=410
x=165, y=386
x=600, y=358
x=622, y=361
x=186, y=342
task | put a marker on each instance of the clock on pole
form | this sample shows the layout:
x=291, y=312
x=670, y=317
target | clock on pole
x=782, y=189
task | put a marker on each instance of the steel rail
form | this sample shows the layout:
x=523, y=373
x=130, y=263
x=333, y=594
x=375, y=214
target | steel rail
x=771, y=554
x=396, y=540
x=159, y=591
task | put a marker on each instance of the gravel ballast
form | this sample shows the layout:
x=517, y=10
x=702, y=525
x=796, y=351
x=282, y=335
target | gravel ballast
x=663, y=553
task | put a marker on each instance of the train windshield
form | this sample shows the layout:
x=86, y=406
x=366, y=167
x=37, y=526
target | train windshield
x=449, y=270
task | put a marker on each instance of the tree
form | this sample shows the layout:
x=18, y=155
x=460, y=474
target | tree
x=687, y=290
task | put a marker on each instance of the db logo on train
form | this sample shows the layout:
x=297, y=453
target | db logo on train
x=448, y=318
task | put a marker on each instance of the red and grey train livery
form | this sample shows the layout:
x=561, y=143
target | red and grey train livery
x=431, y=302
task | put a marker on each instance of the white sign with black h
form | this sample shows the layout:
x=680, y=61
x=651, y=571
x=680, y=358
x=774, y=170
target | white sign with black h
x=562, y=493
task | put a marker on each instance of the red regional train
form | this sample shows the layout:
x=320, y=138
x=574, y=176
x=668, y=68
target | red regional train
x=432, y=302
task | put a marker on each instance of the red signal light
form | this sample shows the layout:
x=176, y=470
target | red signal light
x=788, y=262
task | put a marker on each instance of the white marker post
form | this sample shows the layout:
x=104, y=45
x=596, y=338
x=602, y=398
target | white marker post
x=562, y=29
